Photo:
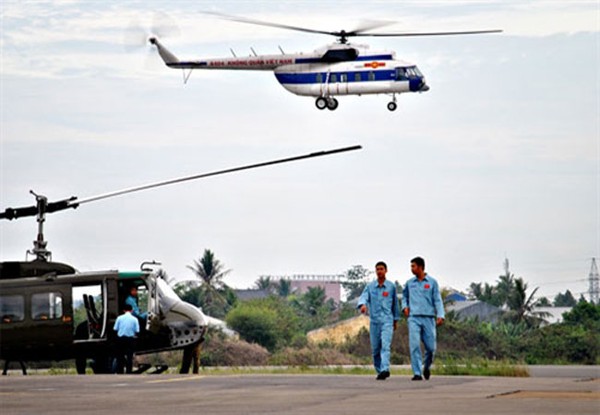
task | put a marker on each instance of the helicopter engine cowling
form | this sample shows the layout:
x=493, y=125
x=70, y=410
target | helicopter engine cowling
x=186, y=323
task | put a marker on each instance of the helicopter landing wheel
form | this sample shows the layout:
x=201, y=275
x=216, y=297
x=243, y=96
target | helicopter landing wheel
x=332, y=104
x=321, y=103
x=392, y=106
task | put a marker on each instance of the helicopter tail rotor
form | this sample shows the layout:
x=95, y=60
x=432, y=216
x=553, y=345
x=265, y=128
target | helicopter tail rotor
x=138, y=36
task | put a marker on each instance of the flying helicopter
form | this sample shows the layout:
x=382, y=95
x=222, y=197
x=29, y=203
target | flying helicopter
x=38, y=297
x=337, y=69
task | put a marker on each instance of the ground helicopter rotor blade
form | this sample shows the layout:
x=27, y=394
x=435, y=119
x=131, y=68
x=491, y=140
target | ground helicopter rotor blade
x=215, y=173
x=73, y=202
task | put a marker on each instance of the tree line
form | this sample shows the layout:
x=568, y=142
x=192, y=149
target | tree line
x=281, y=321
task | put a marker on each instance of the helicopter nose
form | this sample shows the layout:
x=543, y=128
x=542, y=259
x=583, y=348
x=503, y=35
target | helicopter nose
x=424, y=87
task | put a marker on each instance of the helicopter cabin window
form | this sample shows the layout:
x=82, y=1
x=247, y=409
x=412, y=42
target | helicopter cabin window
x=12, y=308
x=344, y=77
x=357, y=77
x=319, y=78
x=46, y=306
x=401, y=74
x=371, y=76
x=333, y=78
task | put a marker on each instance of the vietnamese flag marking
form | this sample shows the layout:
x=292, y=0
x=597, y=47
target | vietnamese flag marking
x=385, y=293
x=374, y=64
x=427, y=286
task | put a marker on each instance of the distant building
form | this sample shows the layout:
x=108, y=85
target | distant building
x=465, y=310
x=300, y=283
x=455, y=296
x=251, y=294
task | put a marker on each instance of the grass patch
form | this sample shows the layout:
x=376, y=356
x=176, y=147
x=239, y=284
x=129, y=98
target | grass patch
x=480, y=367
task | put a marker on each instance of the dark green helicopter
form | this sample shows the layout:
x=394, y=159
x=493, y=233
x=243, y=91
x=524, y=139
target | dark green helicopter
x=39, y=298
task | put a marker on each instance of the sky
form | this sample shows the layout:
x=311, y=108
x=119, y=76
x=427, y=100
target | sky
x=500, y=159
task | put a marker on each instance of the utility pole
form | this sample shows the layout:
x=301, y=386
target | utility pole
x=506, y=267
x=594, y=279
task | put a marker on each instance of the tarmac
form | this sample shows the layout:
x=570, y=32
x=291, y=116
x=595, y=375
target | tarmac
x=550, y=390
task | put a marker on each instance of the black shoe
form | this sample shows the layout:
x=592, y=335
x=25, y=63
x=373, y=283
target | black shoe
x=383, y=375
x=426, y=373
x=417, y=377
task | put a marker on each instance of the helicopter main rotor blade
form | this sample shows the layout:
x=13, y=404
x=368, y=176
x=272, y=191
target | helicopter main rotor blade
x=269, y=24
x=415, y=34
x=215, y=173
x=367, y=25
x=343, y=34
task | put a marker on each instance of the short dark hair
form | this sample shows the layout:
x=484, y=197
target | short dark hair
x=127, y=307
x=418, y=261
x=382, y=264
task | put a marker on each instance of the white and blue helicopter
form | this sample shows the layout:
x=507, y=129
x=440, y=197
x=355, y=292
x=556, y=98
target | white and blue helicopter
x=334, y=70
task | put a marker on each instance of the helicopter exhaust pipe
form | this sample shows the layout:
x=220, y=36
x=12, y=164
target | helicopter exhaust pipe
x=164, y=53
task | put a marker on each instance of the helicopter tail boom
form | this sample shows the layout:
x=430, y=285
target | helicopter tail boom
x=165, y=54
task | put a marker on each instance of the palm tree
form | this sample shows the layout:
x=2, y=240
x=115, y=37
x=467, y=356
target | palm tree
x=210, y=272
x=504, y=288
x=264, y=283
x=522, y=307
x=284, y=287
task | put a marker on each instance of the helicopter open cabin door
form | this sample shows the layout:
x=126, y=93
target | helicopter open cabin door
x=90, y=314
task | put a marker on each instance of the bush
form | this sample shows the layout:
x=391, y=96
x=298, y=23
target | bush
x=221, y=351
x=254, y=324
x=270, y=322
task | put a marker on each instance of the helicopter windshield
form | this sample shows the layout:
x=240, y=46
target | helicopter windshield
x=408, y=73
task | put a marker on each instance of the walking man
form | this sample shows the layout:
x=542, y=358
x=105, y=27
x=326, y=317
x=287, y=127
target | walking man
x=380, y=299
x=127, y=327
x=422, y=305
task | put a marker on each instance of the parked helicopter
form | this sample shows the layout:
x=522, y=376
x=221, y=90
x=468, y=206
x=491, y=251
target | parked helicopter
x=334, y=70
x=38, y=298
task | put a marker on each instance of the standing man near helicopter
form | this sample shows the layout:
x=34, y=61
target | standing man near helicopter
x=127, y=327
x=380, y=299
x=422, y=305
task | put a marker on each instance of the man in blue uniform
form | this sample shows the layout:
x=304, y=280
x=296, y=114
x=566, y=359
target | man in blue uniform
x=422, y=305
x=132, y=300
x=127, y=327
x=380, y=299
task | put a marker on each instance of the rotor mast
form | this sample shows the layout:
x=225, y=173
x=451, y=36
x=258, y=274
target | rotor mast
x=39, y=244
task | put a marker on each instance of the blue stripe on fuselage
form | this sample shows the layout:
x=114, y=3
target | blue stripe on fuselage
x=312, y=77
x=360, y=58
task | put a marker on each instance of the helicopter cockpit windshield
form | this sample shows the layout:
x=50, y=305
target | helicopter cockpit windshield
x=406, y=73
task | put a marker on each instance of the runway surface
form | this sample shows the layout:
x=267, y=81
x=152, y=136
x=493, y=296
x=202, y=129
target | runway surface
x=299, y=394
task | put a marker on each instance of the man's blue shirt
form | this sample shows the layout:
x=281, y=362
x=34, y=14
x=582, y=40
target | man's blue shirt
x=382, y=301
x=132, y=301
x=423, y=298
x=127, y=325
